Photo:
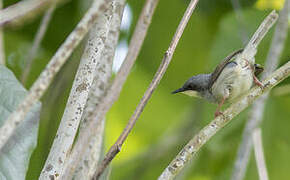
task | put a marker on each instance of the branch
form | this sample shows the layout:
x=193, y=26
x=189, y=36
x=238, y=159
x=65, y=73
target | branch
x=258, y=106
x=115, y=149
x=194, y=145
x=77, y=99
x=45, y=78
x=89, y=159
x=37, y=40
x=21, y=9
x=259, y=154
x=116, y=87
x=2, y=49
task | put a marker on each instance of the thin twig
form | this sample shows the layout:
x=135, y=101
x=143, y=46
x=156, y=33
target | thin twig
x=84, y=168
x=259, y=154
x=243, y=33
x=204, y=135
x=2, y=50
x=257, y=111
x=115, y=149
x=21, y=9
x=37, y=40
x=116, y=87
x=45, y=78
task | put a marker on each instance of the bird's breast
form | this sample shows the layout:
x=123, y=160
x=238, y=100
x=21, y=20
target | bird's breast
x=233, y=81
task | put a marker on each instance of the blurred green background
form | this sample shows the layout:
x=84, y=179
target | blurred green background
x=168, y=121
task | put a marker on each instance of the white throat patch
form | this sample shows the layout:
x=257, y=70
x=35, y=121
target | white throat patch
x=191, y=93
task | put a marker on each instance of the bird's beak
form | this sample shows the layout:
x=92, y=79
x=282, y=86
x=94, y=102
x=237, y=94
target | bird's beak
x=178, y=90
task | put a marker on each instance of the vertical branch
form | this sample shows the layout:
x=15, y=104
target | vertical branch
x=2, y=50
x=45, y=78
x=77, y=99
x=116, y=87
x=115, y=149
x=259, y=154
x=37, y=40
x=257, y=111
x=89, y=160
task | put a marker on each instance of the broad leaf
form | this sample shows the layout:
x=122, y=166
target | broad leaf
x=15, y=155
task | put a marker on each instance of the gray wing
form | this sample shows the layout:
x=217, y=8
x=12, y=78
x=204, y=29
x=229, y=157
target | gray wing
x=221, y=66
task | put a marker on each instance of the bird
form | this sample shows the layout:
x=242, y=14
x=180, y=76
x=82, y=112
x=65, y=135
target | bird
x=230, y=80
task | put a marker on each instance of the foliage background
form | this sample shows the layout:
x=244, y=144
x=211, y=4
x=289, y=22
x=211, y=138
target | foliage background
x=168, y=121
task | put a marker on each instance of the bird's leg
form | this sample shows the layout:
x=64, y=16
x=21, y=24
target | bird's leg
x=218, y=112
x=256, y=80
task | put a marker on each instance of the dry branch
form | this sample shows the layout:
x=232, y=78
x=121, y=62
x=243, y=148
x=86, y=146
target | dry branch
x=194, y=145
x=206, y=133
x=37, y=40
x=116, y=87
x=45, y=78
x=21, y=9
x=77, y=99
x=115, y=149
x=257, y=111
x=259, y=154
x=88, y=162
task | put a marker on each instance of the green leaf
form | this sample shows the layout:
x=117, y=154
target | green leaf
x=15, y=155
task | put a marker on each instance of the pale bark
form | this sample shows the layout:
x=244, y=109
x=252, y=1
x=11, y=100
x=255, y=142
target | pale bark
x=116, y=87
x=89, y=160
x=259, y=154
x=45, y=78
x=36, y=42
x=21, y=9
x=76, y=102
x=115, y=149
x=257, y=111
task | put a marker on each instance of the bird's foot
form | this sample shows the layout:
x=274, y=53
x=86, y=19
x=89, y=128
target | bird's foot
x=218, y=113
x=258, y=82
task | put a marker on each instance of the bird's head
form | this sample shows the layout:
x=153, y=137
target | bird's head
x=195, y=85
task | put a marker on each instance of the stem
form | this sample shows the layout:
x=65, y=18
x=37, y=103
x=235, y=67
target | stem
x=115, y=149
x=37, y=40
x=259, y=154
x=116, y=87
x=45, y=78
x=21, y=10
x=83, y=166
x=257, y=111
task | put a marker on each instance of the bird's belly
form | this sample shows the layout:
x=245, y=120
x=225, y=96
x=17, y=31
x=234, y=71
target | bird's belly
x=232, y=83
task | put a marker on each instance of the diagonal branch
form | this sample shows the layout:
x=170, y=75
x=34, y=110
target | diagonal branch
x=77, y=99
x=37, y=40
x=45, y=78
x=116, y=87
x=115, y=149
x=21, y=9
x=84, y=168
x=257, y=111
x=259, y=154
x=204, y=135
